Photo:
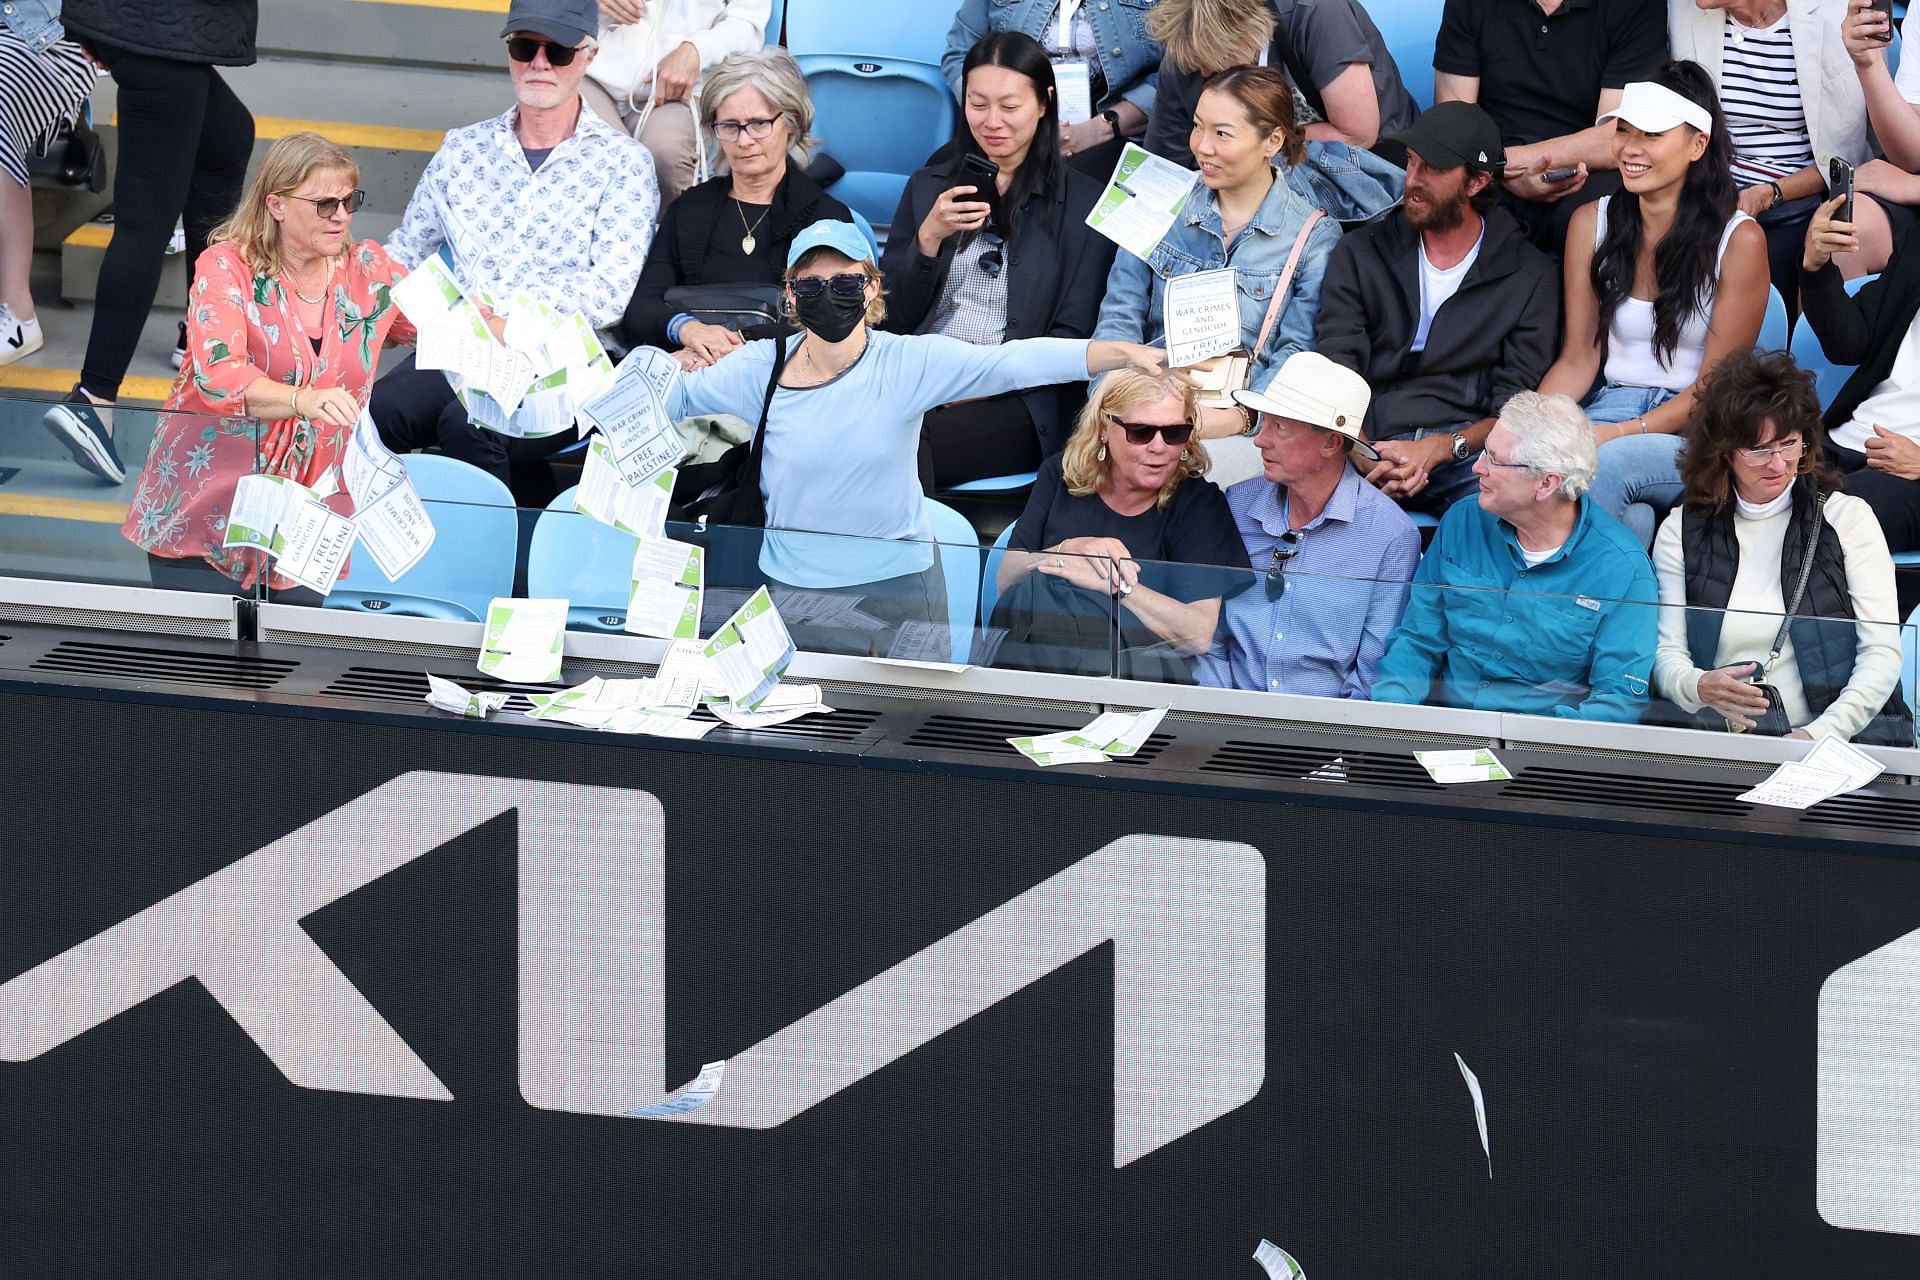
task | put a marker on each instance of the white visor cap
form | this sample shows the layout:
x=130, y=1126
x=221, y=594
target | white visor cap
x=1654, y=108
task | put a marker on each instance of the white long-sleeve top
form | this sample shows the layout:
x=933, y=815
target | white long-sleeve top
x=1757, y=603
x=629, y=52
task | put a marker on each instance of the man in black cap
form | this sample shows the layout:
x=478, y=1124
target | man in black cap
x=1445, y=310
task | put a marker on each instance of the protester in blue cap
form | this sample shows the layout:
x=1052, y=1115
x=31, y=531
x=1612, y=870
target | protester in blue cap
x=843, y=423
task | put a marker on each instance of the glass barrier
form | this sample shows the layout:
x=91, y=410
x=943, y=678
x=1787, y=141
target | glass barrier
x=65, y=517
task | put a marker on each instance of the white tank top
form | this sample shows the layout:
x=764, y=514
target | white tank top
x=1630, y=358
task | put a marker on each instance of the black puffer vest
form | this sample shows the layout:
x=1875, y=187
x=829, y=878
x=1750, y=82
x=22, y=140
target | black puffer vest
x=220, y=32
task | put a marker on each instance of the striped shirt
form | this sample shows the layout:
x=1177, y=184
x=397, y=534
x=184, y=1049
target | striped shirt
x=1760, y=95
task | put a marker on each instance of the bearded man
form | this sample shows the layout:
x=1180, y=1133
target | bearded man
x=1445, y=309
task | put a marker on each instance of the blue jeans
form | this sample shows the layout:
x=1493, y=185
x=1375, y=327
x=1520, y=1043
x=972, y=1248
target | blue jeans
x=1639, y=479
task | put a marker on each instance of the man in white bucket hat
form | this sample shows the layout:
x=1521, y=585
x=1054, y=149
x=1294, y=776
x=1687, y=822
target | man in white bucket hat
x=1330, y=552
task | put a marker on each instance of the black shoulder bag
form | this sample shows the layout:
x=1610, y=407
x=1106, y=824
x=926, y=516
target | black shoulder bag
x=1772, y=722
x=726, y=491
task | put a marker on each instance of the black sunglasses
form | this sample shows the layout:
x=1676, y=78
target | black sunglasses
x=327, y=206
x=1142, y=435
x=1284, y=550
x=848, y=284
x=522, y=49
x=990, y=261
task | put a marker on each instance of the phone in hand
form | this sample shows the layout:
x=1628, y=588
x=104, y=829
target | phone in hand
x=983, y=175
x=1885, y=9
x=1561, y=174
x=1840, y=183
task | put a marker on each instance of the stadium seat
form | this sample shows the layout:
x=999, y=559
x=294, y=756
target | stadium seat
x=960, y=565
x=1910, y=655
x=880, y=118
x=879, y=28
x=775, y=20
x=1773, y=329
x=476, y=539
x=995, y=484
x=1808, y=354
x=1410, y=28
x=990, y=577
x=578, y=559
x=1906, y=559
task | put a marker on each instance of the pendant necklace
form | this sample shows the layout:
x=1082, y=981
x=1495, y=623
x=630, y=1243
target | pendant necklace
x=747, y=242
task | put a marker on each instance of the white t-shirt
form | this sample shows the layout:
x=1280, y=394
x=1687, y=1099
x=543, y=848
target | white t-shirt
x=1630, y=358
x=1535, y=559
x=1894, y=404
x=1436, y=285
x=1906, y=78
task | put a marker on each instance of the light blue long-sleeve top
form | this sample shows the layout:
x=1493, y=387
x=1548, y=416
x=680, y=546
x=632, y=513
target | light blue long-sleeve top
x=843, y=457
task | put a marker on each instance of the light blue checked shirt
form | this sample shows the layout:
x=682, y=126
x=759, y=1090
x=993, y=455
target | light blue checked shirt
x=1346, y=586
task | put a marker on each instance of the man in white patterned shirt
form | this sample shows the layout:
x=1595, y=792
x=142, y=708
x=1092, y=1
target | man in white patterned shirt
x=547, y=200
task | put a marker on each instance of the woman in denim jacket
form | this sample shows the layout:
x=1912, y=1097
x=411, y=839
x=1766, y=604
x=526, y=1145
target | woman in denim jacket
x=1260, y=184
x=1108, y=36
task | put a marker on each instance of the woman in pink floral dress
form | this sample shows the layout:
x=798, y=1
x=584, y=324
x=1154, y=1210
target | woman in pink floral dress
x=284, y=332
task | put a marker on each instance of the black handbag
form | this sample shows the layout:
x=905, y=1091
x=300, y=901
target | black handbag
x=1772, y=722
x=72, y=156
x=726, y=491
x=755, y=310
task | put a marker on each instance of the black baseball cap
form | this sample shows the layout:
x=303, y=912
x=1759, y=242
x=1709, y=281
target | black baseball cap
x=567, y=22
x=1455, y=133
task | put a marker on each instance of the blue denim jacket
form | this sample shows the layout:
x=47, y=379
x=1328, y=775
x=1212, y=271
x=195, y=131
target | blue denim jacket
x=1127, y=56
x=1347, y=183
x=35, y=21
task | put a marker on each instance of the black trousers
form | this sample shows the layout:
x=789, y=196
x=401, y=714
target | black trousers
x=415, y=409
x=1786, y=231
x=977, y=439
x=1895, y=501
x=185, y=140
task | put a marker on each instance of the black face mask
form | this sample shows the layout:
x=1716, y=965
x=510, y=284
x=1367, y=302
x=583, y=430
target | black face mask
x=831, y=316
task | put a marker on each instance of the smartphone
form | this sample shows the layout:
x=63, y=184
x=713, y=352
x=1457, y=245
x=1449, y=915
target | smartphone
x=983, y=175
x=1885, y=9
x=1560, y=175
x=1840, y=183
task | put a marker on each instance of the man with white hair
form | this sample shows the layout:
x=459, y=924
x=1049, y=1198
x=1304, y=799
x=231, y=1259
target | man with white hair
x=1532, y=599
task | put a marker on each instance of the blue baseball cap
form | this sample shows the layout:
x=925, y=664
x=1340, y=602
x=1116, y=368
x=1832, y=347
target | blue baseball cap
x=843, y=238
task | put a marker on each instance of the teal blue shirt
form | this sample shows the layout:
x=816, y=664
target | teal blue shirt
x=1572, y=636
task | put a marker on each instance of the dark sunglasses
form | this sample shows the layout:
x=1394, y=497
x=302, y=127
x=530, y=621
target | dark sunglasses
x=522, y=49
x=1284, y=550
x=990, y=261
x=1142, y=435
x=850, y=284
x=327, y=206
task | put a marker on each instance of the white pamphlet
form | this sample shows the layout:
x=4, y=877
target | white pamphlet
x=391, y=521
x=605, y=495
x=1202, y=316
x=786, y=702
x=1795, y=785
x=1051, y=749
x=664, y=597
x=524, y=640
x=1277, y=1262
x=449, y=696
x=1479, y=1107
x=632, y=415
x=1450, y=767
x=307, y=540
x=682, y=675
x=695, y=1096
x=1118, y=733
x=1143, y=197
x=748, y=653
x=1841, y=757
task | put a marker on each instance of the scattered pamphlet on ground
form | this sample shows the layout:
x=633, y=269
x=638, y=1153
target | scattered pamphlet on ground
x=448, y=696
x=664, y=598
x=657, y=705
x=389, y=520
x=1143, y=197
x=524, y=640
x=605, y=495
x=786, y=702
x=632, y=414
x=1474, y=765
x=1832, y=768
x=695, y=1096
x=1049, y=749
x=748, y=654
x=1117, y=733
x=307, y=540
x=1202, y=316
x=1479, y=1107
x=1279, y=1264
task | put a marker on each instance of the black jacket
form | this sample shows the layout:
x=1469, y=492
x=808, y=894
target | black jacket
x=679, y=251
x=1867, y=328
x=1496, y=335
x=1056, y=273
x=1823, y=651
x=220, y=32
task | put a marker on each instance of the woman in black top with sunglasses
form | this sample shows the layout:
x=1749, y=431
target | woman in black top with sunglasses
x=1119, y=525
x=1035, y=270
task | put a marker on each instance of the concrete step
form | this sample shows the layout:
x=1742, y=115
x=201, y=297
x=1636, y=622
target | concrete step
x=82, y=251
x=456, y=34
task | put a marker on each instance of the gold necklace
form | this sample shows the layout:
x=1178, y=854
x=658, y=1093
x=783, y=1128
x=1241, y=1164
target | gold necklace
x=747, y=242
x=312, y=302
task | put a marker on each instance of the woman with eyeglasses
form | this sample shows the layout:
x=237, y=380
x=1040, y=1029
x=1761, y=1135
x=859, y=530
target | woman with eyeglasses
x=285, y=323
x=734, y=229
x=843, y=407
x=1117, y=529
x=1036, y=271
x=1779, y=603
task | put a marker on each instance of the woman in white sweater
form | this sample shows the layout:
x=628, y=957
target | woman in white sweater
x=1762, y=533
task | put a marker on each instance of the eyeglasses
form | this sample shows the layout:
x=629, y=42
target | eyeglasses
x=1284, y=550
x=1143, y=434
x=730, y=130
x=522, y=49
x=850, y=284
x=327, y=206
x=1760, y=454
x=989, y=261
x=1506, y=466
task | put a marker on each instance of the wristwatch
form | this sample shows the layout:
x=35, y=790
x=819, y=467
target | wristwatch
x=1460, y=448
x=1779, y=196
x=1112, y=118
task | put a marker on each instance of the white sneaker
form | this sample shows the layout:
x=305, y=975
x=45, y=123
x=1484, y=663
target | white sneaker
x=18, y=338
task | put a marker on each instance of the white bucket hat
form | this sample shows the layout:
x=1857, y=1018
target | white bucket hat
x=1312, y=389
x=1654, y=108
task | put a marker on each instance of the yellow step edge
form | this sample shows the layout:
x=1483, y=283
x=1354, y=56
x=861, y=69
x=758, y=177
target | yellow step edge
x=45, y=508
x=472, y=6
x=373, y=137
x=133, y=391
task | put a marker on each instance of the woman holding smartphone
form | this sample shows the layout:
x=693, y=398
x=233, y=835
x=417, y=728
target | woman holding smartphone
x=1034, y=271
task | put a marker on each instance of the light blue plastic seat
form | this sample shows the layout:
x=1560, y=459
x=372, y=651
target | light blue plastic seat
x=476, y=541
x=959, y=551
x=1410, y=28
x=1773, y=329
x=578, y=559
x=881, y=28
x=1828, y=377
x=880, y=117
x=1910, y=651
x=995, y=484
x=990, y=576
